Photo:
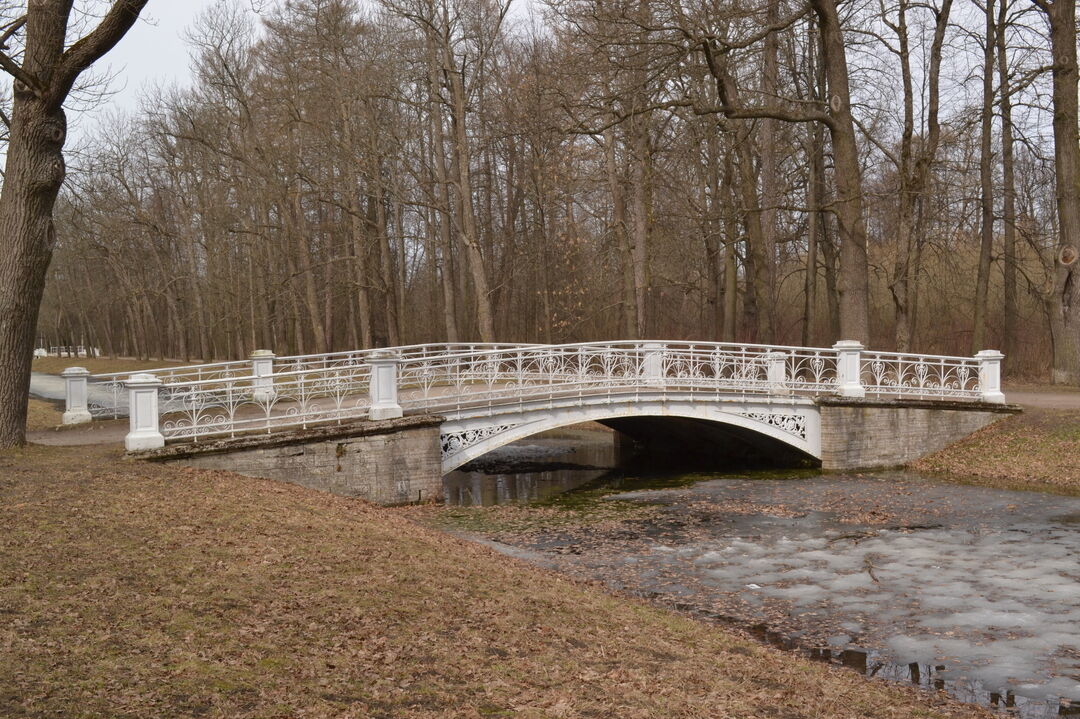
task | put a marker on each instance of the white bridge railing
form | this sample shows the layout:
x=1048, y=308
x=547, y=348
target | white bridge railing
x=270, y=394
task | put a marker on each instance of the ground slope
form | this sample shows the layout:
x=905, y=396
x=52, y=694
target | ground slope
x=1039, y=449
x=129, y=589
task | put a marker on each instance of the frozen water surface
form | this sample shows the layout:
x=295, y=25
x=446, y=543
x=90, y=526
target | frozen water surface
x=947, y=586
x=971, y=590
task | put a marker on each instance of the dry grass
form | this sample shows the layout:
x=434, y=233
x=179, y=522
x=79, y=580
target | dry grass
x=1039, y=449
x=100, y=365
x=42, y=414
x=131, y=589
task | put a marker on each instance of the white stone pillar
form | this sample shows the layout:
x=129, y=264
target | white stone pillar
x=262, y=367
x=383, y=385
x=75, y=409
x=143, y=430
x=990, y=376
x=849, y=368
x=776, y=370
x=652, y=362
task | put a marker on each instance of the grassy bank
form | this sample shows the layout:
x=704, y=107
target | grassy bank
x=101, y=365
x=141, y=590
x=1034, y=450
x=43, y=414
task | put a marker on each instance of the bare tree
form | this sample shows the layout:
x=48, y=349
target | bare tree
x=45, y=68
x=1064, y=300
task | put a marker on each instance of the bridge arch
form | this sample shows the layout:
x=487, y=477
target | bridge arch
x=795, y=426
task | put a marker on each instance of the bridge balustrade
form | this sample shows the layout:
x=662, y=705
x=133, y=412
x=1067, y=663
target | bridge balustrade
x=271, y=394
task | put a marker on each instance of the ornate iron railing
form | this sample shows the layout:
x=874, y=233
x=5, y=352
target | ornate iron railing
x=290, y=399
x=108, y=396
x=271, y=394
x=697, y=370
x=895, y=374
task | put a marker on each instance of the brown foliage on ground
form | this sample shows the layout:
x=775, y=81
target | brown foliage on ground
x=41, y=414
x=1038, y=449
x=101, y=365
x=132, y=589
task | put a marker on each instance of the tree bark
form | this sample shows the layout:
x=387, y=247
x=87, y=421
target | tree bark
x=854, y=280
x=986, y=180
x=34, y=172
x=1064, y=300
x=1008, y=187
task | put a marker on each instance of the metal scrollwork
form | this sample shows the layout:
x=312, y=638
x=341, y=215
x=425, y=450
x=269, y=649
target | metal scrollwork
x=459, y=441
x=791, y=423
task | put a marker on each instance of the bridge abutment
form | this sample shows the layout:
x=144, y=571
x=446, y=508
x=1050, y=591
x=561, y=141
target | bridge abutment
x=396, y=461
x=878, y=434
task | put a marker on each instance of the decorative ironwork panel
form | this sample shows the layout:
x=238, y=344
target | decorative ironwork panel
x=790, y=422
x=456, y=442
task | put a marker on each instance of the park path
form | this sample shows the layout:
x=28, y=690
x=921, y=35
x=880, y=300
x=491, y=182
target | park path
x=51, y=387
x=1043, y=397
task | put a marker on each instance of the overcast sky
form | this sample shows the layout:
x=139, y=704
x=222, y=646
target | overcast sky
x=153, y=52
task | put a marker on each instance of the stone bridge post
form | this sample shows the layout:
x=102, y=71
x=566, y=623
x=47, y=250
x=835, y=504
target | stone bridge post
x=75, y=409
x=849, y=368
x=262, y=368
x=990, y=376
x=144, y=431
x=383, y=386
x=652, y=362
x=776, y=371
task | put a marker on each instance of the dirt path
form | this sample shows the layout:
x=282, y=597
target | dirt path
x=1043, y=397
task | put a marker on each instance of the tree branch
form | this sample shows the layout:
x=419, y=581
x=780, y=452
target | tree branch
x=10, y=30
x=84, y=53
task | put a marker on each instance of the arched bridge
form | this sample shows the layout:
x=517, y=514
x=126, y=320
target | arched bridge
x=808, y=401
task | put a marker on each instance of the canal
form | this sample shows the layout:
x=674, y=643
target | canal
x=947, y=586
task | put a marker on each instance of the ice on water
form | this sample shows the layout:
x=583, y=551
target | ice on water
x=997, y=603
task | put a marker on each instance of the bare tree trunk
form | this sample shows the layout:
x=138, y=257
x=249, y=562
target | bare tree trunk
x=467, y=217
x=444, y=259
x=640, y=243
x=854, y=284
x=813, y=222
x=769, y=148
x=1064, y=301
x=1008, y=186
x=34, y=172
x=731, y=237
x=618, y=205
x=986, y=179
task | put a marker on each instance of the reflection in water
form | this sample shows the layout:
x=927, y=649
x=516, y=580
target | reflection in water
x=532, y=470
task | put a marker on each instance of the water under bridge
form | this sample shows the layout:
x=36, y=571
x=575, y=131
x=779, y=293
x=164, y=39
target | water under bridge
x=841, y=406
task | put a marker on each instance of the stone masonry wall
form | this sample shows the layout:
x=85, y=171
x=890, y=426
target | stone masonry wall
x=865, y=434
x=388, y=462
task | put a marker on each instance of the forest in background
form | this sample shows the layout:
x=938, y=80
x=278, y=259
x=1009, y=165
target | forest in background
x=343, y=175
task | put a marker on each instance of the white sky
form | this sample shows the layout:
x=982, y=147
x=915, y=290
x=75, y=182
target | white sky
x=153, y=52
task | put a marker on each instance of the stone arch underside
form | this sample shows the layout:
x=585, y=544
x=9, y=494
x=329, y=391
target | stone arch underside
x=789, y=432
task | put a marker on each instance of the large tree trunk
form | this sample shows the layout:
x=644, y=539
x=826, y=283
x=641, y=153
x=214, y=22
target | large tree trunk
x=32, y=179
x=33, y=175
x=1064, y=302
x=444, y=259
x=986, y=180
x=731, y=236
x=1008, y=186
x=769, y=149
x=640, y=179
x=914, y=173
x=474, y=259
x=854, y=280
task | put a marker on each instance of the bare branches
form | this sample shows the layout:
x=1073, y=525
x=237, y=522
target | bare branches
x=117, y=21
